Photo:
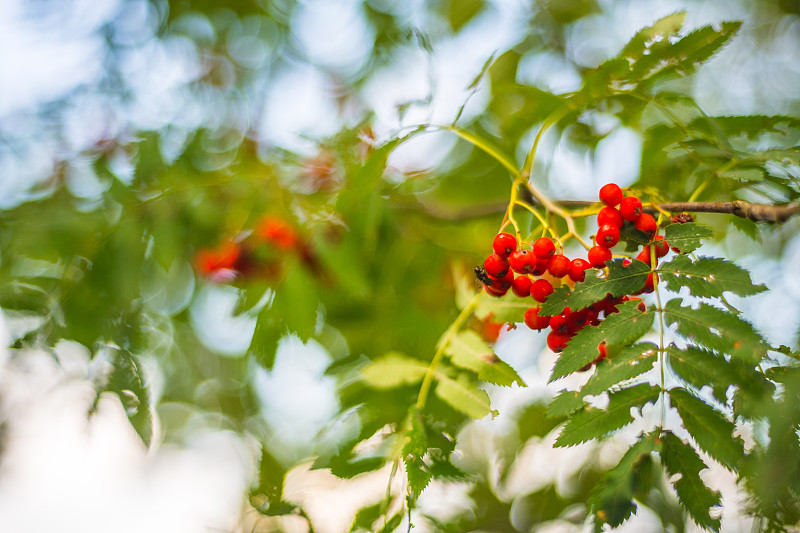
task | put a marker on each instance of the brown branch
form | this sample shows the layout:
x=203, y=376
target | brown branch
x=773, y=214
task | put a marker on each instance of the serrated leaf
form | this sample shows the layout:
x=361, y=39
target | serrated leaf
x=716, y=329
x=687, y=237
x=709, y=428
x=660, y=30
x=592, y=423
x=267, y=333
x=565, y=403
x=393, y=370
x=698, y=367
x=128, y=383
x=630, y=362
x=679, y=457
x=468, y=350
x=707, y=277
x=618, y=329
x=633, y=238
x=621, y=280
x=418, y=476
x=611, y=499
x=464, y=395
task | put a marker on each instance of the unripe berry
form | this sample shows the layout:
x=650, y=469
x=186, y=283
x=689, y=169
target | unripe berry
x=630, y=208
x=495, y=266
x=522, y=261
x=607, y=236
x=541, y=289
x=598, y=256
x=504, y=244
x=522, y=286
x=534, y=321
x=558, y=266
x=647, y=224
x=610, y=194
x=557, y=341
x=544, y=248
x=610, y=216
x=577, y=269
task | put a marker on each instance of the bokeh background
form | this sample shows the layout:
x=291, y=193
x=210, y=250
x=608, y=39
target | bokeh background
x=195, y=118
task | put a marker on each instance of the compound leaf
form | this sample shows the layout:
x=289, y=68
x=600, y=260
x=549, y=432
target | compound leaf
x=678, y=457
x=632, y=361
x=591, y=422
x=707, y=277
x=712, y=431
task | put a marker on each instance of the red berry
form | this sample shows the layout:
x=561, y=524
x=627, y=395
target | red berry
x=558, y=266
x=610, y=194
x=277, y=231
x=647, y=224
x=504, y=244
x=534, y=321
x=496, y=266
x=522, y=261
x=630, y=208
x=577, y=269
x=540, y=267
x=577, y=319
x=558, y=323
x=607, y=236
x=601, y=348
x=544, y=248
x=662, y=247
x=557, y=341
x=599, y=256
x=644, y=256
x=541, y=289
x=494, y=292
x=522, y=286
x=610, y=216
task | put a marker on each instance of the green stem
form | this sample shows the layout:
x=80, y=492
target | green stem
x=483, y=145
x=427, y=381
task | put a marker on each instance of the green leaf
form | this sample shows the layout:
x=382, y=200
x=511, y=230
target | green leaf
x=686, y=237
x=266, y=335
x=127, y=382
x=621, y=280
x=592, y=423
x=620, y=366
x=464, y=395
x=679, y=458
x=716, y=329
x=618, y=329
x=612, y=498
x=507, y=308
x=629, y=363
x=707, y=277
x=698, y=367
x=393, y=370
x=712, y=431
x=660, y=30
x=565, y=403
x=535, y=421
x=296, y=302
x=468, y=350
x=267, y=496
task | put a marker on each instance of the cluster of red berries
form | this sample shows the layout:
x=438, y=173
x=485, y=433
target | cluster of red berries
x=234, y=258
x=532, y=272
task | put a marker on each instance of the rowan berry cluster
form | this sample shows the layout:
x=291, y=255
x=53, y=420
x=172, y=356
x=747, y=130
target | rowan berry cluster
x=533, y=270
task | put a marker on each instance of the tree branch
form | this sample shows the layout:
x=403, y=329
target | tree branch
x=773, y=214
